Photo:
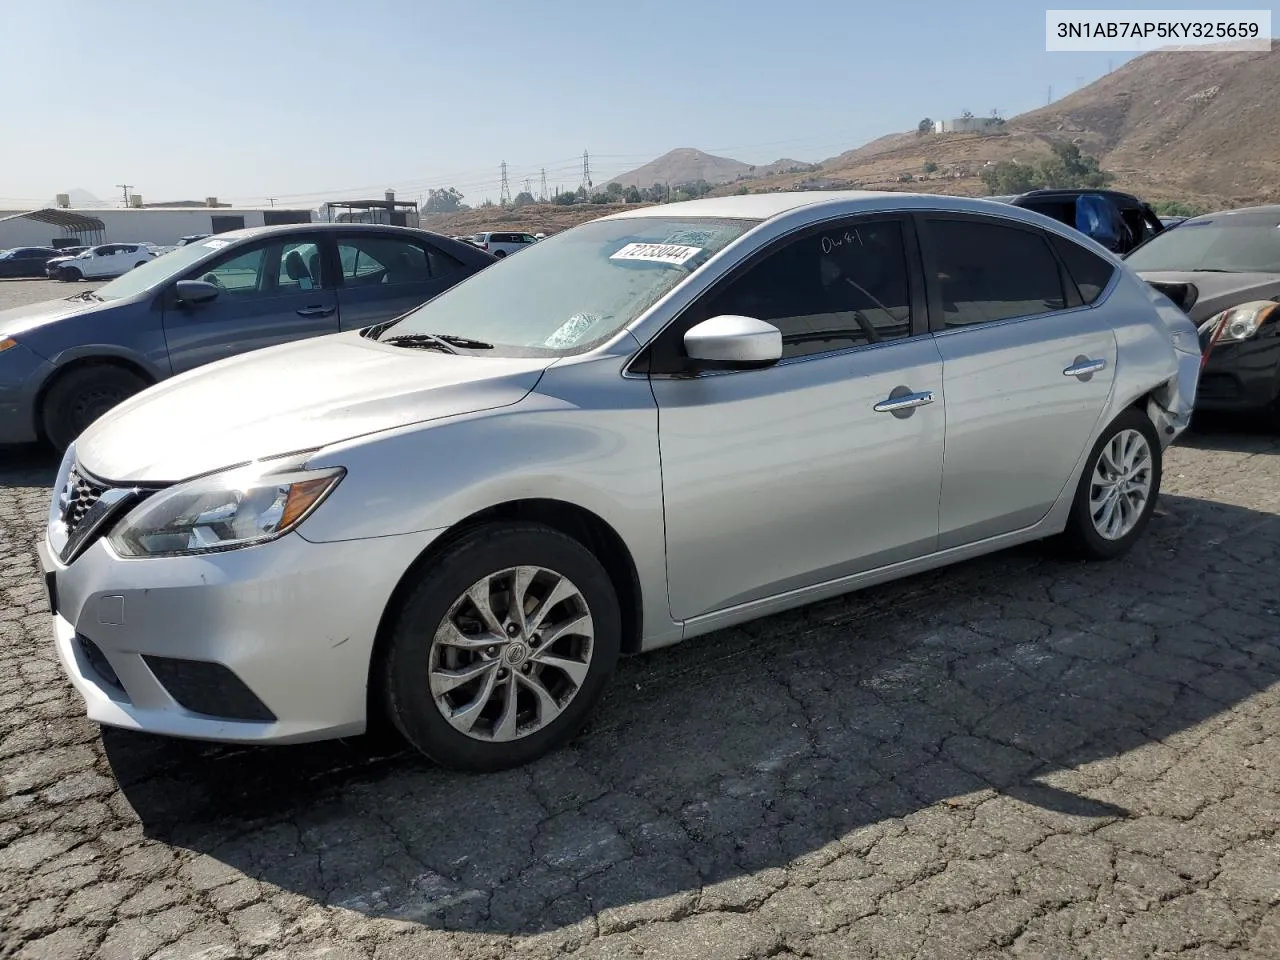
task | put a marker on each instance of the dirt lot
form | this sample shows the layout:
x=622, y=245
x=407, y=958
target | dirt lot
x=1017, y=756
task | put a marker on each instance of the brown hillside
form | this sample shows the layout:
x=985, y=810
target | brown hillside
x=534, y=218
x=684, y=165
x=1196, y=127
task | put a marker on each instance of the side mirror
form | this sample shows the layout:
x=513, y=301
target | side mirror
x=192, y=292
x=734, y=343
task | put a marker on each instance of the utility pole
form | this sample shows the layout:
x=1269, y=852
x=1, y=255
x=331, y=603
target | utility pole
x=586, y=171
x=272, y=200
x=126, y=187
x=543, y=195
x=1048, y=99
x=504, y=192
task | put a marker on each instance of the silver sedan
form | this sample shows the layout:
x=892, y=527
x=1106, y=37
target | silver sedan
x=654, y=425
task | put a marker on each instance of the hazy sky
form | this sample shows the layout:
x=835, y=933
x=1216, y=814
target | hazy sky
x=309, y=100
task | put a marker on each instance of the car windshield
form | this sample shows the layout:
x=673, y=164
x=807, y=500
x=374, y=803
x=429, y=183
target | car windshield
x=1236, y=243
x=156, y=271
x=574, y=290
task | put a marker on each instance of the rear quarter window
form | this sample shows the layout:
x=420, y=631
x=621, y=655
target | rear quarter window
x=1090, y=272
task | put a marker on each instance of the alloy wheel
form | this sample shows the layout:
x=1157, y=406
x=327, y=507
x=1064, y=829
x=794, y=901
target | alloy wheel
x=1121, y=484
x=511, y=653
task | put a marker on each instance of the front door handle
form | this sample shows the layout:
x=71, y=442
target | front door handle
x=1083, y=367
x=905, y=401
x=316, y=311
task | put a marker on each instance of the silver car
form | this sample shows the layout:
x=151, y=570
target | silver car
x=648, y=427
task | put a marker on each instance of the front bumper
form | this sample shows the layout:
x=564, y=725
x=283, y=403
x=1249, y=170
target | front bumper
x=21, y=374
x=269, y=644
x=1242, y=376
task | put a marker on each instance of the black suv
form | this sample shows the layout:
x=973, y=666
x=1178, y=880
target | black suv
x=1118, y=221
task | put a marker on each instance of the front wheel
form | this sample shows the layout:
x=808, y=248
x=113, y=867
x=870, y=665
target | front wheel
x=1118, y=489
x=138, y=264
x=500, y=652
x=81, y=396
x=68, y=274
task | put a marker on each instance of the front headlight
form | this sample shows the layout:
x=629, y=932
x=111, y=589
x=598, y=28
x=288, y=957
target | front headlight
x=223, y=512
x=1240, y=322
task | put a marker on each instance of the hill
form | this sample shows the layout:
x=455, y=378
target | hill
x=684, y=165
x=1195, y=127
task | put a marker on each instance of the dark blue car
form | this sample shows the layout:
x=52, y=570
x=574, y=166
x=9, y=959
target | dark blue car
x=66, y=362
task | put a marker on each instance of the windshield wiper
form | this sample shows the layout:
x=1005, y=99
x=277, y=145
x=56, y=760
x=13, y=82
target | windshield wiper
x=85, y=295
x=446, y=340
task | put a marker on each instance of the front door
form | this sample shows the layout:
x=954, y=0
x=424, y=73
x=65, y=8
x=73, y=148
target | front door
x=825, y=465
x=1027, y=373
x=270, y=292
x=384, y=276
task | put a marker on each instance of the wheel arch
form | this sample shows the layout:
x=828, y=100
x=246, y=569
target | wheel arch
x=80, y=362
x=575, y=521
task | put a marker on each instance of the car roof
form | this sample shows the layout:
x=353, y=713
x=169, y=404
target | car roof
x=247, y=232
x=1265, y=210
x=768, y=206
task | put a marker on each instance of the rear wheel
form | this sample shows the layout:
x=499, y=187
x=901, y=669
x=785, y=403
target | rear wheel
x=68, y=274
x=501, y=651
x=499, y=254
x=1118, y=490
x=81, y=396
x=138, y=264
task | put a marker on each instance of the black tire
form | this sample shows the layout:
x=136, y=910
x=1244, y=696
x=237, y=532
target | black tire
x=138, y=264
x=405, y=664
x=79, y=397
x=69, y=274
x=499, y=254
x=1081, y=538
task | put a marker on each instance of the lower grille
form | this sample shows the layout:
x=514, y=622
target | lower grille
x=208, y=688
x=96, y=659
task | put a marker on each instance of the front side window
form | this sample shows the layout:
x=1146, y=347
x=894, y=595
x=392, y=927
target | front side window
x=842, y=288
x=242, y=274
x=574, y=290
x=983, y=271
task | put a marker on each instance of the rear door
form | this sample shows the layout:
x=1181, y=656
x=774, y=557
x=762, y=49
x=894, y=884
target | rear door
x=271, y=291
x=1027, y=371
x=385, y=275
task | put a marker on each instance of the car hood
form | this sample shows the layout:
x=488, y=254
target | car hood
x=1218, y=291
x=297, y=396
x=20, y=320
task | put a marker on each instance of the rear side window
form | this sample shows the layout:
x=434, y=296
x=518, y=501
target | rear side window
x=1090, y=272
x=442, y=264
x=984, y=271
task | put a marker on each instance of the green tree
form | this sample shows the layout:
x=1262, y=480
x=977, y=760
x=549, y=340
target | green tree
x=924, y=126
x=523, y=198
x=444, y=200
x=1176, y=208
x=633, y=194
x=1066, y=167
x=741, y=192
x=930, y=167
x=566, y=199
x=615, y=189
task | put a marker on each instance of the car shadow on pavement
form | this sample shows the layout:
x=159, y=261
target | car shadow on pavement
x=1006, y=688
x=1233, y=433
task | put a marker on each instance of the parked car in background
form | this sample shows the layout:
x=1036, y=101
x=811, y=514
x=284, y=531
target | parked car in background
x=63, y=255
x=1118, y=221
x=104, y=261
x=24, y=261
x=502, y=244
x=648, y=427
x=1169, y=222
x=1224, y=270
x=65, y=362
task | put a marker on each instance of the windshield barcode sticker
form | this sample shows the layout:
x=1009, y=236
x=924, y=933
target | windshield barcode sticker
x=674, y=253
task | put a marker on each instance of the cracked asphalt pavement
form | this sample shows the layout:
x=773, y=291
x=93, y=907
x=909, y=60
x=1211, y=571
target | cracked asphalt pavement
x=1019, y=756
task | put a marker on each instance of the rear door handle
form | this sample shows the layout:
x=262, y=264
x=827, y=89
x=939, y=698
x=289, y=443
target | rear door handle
x=907, y=401
x=1084, y=367
x=316, y=311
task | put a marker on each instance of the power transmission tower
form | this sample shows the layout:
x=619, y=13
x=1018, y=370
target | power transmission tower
x=543, y=196
x=586, y=171
x=504, y=193
x=528, y=186
x=126, y=187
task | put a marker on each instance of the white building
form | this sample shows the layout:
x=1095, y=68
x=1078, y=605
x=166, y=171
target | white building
x=967, y=125
x=159, y=225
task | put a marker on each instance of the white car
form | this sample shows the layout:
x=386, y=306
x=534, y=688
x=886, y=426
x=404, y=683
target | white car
x=501, y=244
x=105, y=260
x=655, y=425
